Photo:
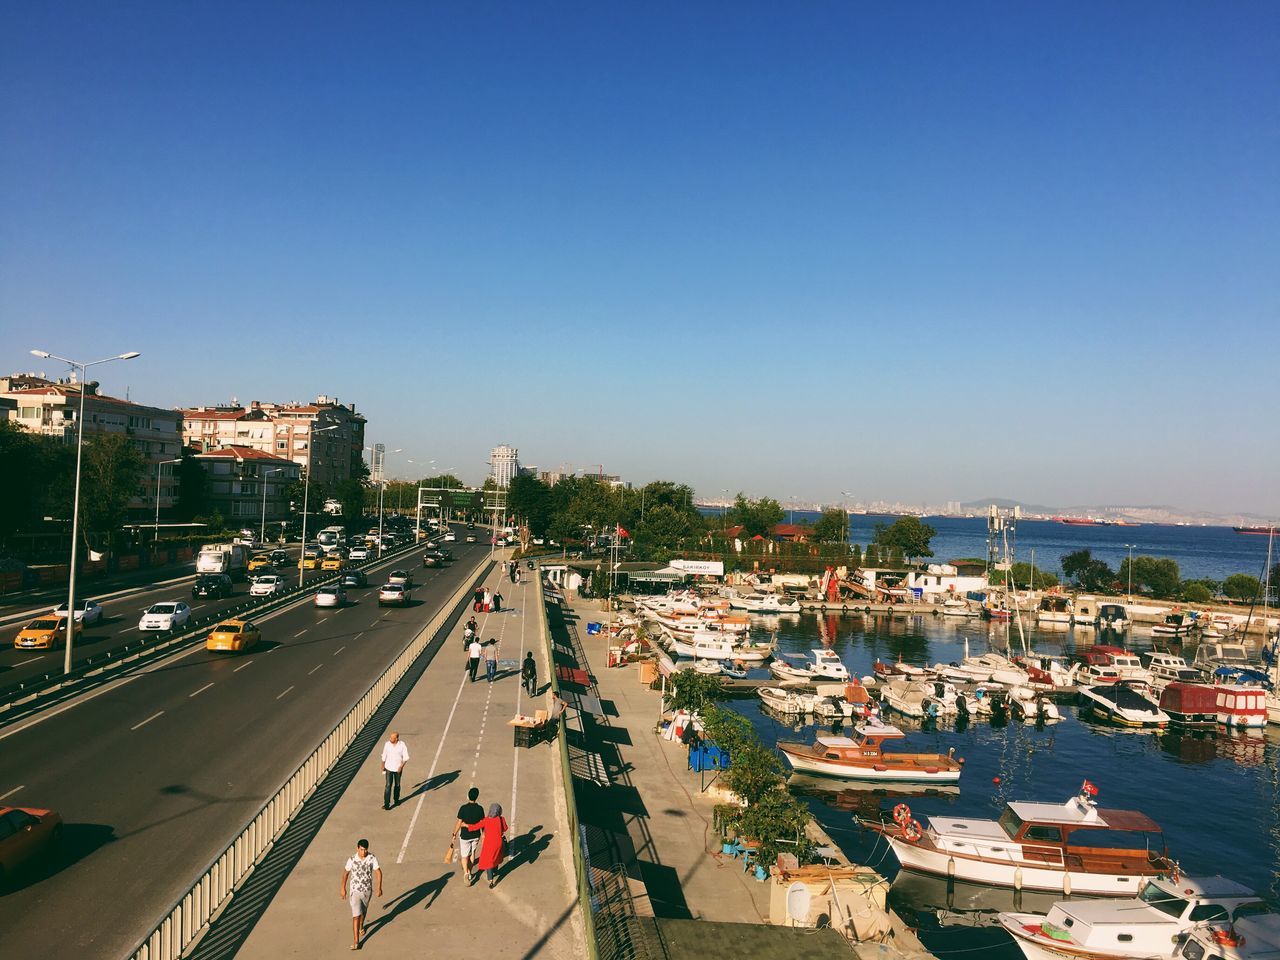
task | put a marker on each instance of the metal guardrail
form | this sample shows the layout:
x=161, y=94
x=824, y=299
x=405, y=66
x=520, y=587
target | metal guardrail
x=186, y=922
x=26, y=697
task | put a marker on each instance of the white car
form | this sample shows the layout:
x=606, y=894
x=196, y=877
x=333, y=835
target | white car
x=331, y=597
x=267, y=586
x=402, y=577
x=471, y=538
x=87, y=613
x=250, y=541
x=450, y=537
x=358, y=553
x=393, y=593
x=165, y=616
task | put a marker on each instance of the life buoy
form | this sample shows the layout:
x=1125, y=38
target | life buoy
x=1227, y=936
x=911, y=830
x=901, y=813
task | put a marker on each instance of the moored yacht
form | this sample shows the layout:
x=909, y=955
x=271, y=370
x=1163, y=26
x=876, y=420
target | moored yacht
x=1073, y=847
x=825, y=666
x=1054, y=608
x=764, y=603
x=1150, y=925
x=1123, y=704
x=1113, y=616
x=1167, y=668
x=862, y=757
x=920, y=698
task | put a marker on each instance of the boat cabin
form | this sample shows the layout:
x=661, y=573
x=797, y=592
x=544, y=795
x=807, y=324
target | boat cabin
x=1086, y=838
x=1190, y=704
x=1211, y=654
x=1054, y=606
x=865, y=742
x=1113, y=615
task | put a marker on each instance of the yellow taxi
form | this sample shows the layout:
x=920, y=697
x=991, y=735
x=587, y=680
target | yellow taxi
x=232, y=636
x=334, y=561
x=310, y=561
x=43, y=633
x=261, y=562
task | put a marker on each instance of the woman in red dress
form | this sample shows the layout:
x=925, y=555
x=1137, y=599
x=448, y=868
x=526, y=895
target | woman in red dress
x=493, y=829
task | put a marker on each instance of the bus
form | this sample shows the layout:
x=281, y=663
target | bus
x=331, y=538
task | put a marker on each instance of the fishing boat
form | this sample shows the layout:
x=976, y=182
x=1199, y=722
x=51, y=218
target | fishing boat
x=1113, y=616
x=825, y=666
x=1174, y=625
x=1029, y=705
x=1167, y=668
x=1152, y=924
x=1124, y=704
x=862, y=757
x=1254, y=936
x=1054, y=608
x=1074, y=847
x=920, y=698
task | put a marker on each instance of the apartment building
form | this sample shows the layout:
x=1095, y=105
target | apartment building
x=504, y=465
x=324, y=438
x=50, y=408
x=246, y=484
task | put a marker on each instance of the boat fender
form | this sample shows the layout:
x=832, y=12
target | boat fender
x=901, y=813
x=951, y=867
x=1017, y=879
x=1066, y=884
x=911, y=830
x=879, y=768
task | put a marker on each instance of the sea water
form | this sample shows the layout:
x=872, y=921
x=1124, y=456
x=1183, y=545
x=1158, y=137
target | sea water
x=1216, y=794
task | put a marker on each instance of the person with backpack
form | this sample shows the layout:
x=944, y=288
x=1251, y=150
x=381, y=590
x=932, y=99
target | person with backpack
x=529, y=674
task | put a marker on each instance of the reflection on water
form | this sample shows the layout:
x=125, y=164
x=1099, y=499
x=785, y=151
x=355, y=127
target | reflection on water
x=958, y=903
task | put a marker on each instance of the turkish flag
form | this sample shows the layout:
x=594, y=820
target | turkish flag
x=1089, y=789
x=621, y=532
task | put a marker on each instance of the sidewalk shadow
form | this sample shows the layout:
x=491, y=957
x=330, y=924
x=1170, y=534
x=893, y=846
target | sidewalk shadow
x=435, y=783
x=408, y=900
x=527, y=848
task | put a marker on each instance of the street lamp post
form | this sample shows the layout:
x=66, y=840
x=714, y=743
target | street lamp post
x=262, y=537
x=1130, y=546
x=75, y=502
x=306, y=496
x=158, y=466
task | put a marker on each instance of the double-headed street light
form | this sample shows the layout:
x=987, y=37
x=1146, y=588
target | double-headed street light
x=262, y=537
x=75, y=502
x=306, y=496
x=158, y=466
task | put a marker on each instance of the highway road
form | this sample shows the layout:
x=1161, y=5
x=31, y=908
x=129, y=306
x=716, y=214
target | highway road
x=154, y=775
x=119, y=625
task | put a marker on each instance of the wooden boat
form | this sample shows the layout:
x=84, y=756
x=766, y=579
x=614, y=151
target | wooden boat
x=1174, y=625
x=862, y=757
x=1074, y=848
x=893, y=671
x=1149, y=925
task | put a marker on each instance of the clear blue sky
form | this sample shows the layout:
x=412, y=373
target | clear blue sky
x=924, y=250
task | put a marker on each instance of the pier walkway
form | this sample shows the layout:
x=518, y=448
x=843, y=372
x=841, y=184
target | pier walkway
x=458, y=735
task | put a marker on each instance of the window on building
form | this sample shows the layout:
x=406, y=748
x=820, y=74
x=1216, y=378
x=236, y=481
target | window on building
x=282, y=444
x=29, y=413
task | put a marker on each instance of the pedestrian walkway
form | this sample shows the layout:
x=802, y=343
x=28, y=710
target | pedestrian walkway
x=458, y=736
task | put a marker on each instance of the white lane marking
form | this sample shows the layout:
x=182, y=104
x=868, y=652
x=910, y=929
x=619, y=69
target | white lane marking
x=340, y=649
x=242, y=666
x=444, y=734
x=314, y=669
x=284, y=693
x=6, y=796
x=299, y=633
x=137, y=726
x=85, y=698
x=376, y=622
x=200, y=691
x=127, y=629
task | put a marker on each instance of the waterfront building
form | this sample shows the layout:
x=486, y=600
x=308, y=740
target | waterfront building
x=50, y=408
x=504, y=465
x=242, y=479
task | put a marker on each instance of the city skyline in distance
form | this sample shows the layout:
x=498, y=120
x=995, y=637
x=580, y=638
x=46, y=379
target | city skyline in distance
x=926, y=255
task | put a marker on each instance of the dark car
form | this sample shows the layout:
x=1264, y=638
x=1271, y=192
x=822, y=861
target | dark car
x=444, y=554
x=212, y=585
x=432, y=559
x=279, y=558
x=354, y=578
x=471, y=526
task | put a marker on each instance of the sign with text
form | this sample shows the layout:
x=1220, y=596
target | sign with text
x=705, y=568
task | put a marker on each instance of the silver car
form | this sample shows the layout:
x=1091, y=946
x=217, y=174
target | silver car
x=331, y=597
x=88, y=612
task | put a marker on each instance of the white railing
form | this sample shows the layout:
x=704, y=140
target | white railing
x=207, y=896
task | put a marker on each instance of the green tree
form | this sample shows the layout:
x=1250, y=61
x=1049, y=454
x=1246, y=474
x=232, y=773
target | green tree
x=832, y=526
x=37, y=478
x=112, y=472
x=193, y=488
x=1157, y=576
x=1021, y=575
x=911, y=535
x=757, y=517
x=694, y=691
x=352, y=494
x=855, y=556
x=1085, y=572
x=1195, y=592
x=664, y=528
x=1242, y=586
x=530, y=499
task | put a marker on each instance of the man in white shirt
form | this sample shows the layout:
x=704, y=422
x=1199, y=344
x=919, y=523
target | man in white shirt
x=474, y=653
x=357, y=887
x=394, y=756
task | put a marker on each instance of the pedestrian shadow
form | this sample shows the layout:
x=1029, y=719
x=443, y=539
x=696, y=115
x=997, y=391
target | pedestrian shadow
x=435, y=783
x=409, y=900
x=526, y=848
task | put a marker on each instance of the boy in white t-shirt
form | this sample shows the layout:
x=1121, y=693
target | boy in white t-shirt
x=357, y=887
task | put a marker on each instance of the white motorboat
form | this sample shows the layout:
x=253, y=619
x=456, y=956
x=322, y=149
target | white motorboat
x=788, y=702
x=703, y=646
x=959, y=607
x=1124, y=704
x=1073, y=848
x=1150, y=925
x=1174, y=625
x=1084, y=611
x=1252, y=937
x=1113, y=616
x=1212, y=654
x=920, y=698
x=830, y=708
x=710, y=668
x=764, y=603
x=992, y=666
x=825, y=666
x=1047, y=673
x=977, y=702
x=1029, y=706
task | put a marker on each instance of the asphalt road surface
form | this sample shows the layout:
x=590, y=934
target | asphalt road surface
x=155, y=776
